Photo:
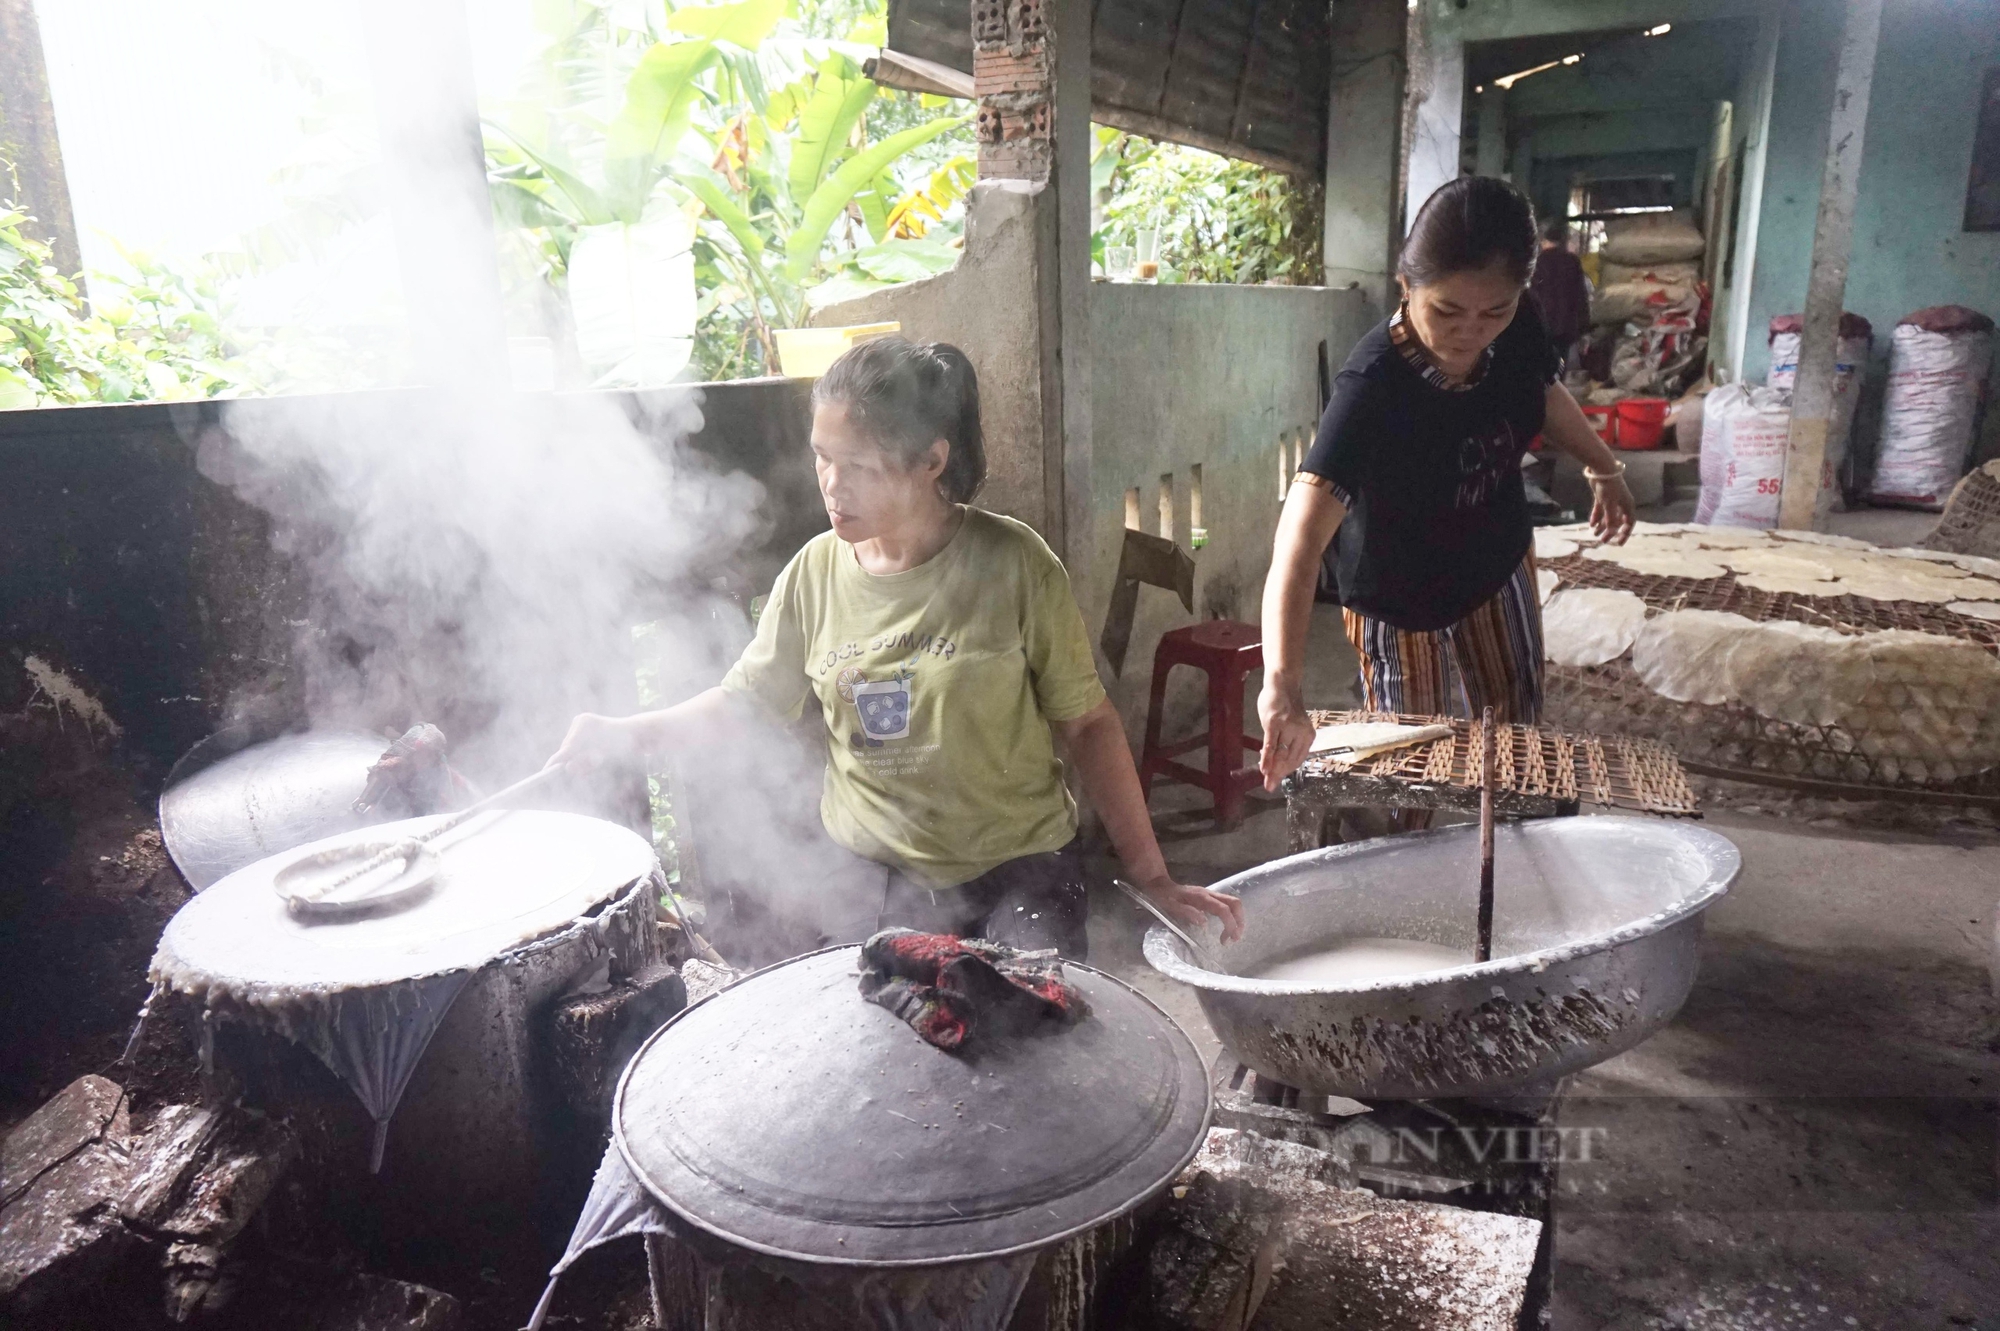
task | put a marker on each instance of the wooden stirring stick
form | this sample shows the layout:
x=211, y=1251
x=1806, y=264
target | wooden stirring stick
x=1485, y=952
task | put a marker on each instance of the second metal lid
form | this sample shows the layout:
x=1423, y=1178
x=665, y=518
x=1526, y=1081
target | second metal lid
x=791, y=1116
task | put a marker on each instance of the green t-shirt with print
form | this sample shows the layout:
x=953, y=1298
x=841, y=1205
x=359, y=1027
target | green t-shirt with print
x=938, y=685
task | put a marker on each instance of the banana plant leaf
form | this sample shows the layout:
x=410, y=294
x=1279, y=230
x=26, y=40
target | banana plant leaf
x=874, y=214
x=659, y=104
x=748, y=71
x=854, y=175
x=587, y=206
x=905, y=260
x=745, y=24
x=703, y=184
x=517, y=205
x=847, y=286
x=839, y=96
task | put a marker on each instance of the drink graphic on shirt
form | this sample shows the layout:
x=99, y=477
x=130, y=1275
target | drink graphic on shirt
x=885, y=709
x=1483, y=462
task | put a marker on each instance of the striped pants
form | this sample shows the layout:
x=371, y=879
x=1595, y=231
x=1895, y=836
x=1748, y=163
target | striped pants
x=1491, y=658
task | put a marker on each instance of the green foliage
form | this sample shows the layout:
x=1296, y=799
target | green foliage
x=807, y=182
x=1220, y=220
x=157, y=338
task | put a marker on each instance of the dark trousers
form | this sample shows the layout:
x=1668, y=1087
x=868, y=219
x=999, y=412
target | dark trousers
x=1034, y=902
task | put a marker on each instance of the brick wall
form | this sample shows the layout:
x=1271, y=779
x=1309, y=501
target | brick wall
x=1013, y=76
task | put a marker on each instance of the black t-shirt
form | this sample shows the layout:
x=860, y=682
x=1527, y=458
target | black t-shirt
x=1437, y=520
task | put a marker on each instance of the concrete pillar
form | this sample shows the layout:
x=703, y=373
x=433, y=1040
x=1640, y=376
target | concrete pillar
x=28, y=134
x=1013, y=73
x=1364, y=145
x=1067, y=474
x=1031, y=74
x=1492, y=132
x=1801, y=503
x=1437, y=94
x=1018, y=300
x=426, y=103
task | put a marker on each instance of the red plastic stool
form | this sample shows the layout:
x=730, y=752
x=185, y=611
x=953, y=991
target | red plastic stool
x=1227, y=651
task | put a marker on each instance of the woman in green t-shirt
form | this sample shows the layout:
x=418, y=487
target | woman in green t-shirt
x=946, y=653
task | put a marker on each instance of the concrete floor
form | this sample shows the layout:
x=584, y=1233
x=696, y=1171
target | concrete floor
x=1813, y=1142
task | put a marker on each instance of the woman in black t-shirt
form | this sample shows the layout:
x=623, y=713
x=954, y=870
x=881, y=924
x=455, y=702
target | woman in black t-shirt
x=1415, y=478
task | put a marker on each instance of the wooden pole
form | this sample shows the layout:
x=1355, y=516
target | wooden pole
x=1826, y=289
x=1486, y=765
x=28, y=136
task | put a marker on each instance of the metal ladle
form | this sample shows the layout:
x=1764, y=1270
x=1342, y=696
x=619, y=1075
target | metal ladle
x=311, y=885
x=1145, y=903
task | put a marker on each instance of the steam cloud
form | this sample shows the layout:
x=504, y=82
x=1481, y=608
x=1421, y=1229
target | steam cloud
x=481, y=561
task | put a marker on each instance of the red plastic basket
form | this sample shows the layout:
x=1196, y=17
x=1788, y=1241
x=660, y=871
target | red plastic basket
x=1641, y=422
x=1605, y=421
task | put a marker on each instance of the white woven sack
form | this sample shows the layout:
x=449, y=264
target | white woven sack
x=1743, y=429
x=1935, y=380
x=1640, y=302
x=1849, y=359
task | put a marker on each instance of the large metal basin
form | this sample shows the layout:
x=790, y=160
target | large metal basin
x=1597, y=924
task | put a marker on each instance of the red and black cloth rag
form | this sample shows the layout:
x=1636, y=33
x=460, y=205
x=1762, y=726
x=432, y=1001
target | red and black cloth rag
x=948, y=988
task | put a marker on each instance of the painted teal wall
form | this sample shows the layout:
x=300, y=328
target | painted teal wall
x=1909, y=251
x=1750, y=134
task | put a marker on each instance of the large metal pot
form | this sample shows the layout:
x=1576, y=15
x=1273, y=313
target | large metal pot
x=228, y=803
x=430, y=1012
x=790, y=1117
x=1596, y=932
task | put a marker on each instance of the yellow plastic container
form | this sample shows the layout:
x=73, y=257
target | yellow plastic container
x=807, y=353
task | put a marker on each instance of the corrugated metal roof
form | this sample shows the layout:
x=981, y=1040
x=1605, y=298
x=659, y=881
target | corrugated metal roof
x=1247, y=78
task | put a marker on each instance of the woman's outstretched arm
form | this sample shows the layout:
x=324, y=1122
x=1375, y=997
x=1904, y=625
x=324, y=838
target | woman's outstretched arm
x=1103, y=761
x=1563, y=425
x=1305, y=527
x=593, y=740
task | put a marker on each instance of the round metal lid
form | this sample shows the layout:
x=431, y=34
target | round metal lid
x=791, y=1116
x=503, y=879
x=265, y=799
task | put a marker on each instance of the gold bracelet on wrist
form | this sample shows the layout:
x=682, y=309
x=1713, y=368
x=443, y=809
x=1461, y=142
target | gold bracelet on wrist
x=1618, y=470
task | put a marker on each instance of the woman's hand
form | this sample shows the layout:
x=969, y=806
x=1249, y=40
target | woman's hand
x=1310, y=518
x=1190, y=906
x=593, y=741
x=1288, y=732
x=1611, y=504
x=1612, y=507
x=1103, y=761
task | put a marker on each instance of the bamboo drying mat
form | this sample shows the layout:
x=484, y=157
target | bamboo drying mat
x=1731, y=740
x=1536, y=766
x=1843, y=614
